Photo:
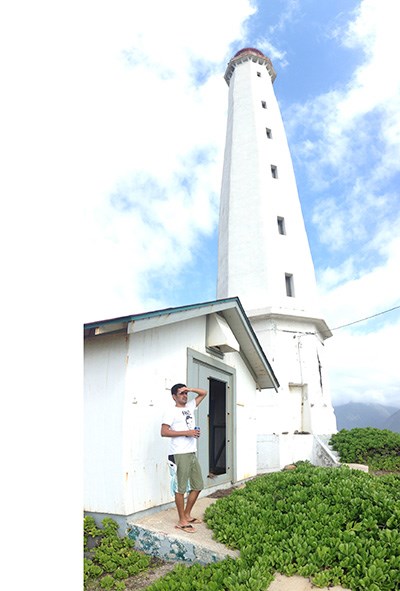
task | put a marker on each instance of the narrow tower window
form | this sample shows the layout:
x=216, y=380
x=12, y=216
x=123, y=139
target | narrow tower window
x=263, y=104
x=281, y=226
x=269, y=133
x=259, y=74
x=274, y=171
x=289, y=285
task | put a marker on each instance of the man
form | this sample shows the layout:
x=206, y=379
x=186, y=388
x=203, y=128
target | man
x=178, y=423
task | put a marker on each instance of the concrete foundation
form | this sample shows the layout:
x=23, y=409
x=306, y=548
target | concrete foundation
x=157, y=535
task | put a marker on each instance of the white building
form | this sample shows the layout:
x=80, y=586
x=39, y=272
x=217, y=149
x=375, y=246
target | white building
x=131, y=364
x=265, y=260
x=250, y=422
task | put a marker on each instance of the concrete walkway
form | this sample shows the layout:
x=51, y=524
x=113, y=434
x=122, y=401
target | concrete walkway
x=282, y=583
x=156, y=534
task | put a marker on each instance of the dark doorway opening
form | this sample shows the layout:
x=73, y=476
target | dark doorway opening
x=217, y=427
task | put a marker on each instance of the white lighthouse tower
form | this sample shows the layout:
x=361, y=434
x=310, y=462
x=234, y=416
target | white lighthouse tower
x=264, y=257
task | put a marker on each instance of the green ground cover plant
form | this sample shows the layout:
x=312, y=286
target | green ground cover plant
x=334, y=525
x=112, y=559
x=378, y=448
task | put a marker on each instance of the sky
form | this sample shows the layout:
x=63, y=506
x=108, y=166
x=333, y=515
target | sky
x=113, y=134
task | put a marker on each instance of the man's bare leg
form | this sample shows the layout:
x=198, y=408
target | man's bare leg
x=190, y=501
x=180, y=505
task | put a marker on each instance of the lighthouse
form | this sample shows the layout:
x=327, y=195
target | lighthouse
x=264, y=257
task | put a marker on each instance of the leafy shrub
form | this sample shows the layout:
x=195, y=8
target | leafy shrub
x=113, y=559
x=378, y=448
x=334, y=525
x=235, y=575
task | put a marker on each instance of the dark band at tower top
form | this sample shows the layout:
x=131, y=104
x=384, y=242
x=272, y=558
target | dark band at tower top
x=246, y=54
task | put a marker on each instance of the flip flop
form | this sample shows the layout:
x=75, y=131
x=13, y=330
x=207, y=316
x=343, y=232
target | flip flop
x=189, y=529
x=195, y=520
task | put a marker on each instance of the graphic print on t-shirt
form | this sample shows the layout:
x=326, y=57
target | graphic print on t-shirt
x=188, y=418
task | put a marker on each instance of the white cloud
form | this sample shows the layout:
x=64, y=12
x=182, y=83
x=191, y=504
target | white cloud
x=117, y=109
x=287, y=15
x=363, y=357
x=156, y=141
x=366, y=365
x=349, y=293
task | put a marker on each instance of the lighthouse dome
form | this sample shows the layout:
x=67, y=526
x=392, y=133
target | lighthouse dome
x=249, y=49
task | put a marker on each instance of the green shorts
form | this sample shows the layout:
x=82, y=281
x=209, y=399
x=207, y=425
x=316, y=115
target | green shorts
x=188, y=469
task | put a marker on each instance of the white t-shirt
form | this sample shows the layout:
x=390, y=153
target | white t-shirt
x=181, y=419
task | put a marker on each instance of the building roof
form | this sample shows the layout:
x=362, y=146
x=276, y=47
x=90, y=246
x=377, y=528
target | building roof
x=230, y=309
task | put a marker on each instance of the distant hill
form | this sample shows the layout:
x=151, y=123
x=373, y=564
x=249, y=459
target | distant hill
x=393, y=422
x=357, y=414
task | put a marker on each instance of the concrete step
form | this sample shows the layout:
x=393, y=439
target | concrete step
x=157, y=535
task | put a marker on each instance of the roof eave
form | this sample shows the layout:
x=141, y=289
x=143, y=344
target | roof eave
x=230, y=308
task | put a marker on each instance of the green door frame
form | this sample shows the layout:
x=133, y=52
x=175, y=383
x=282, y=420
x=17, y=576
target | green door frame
x=200, y=367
